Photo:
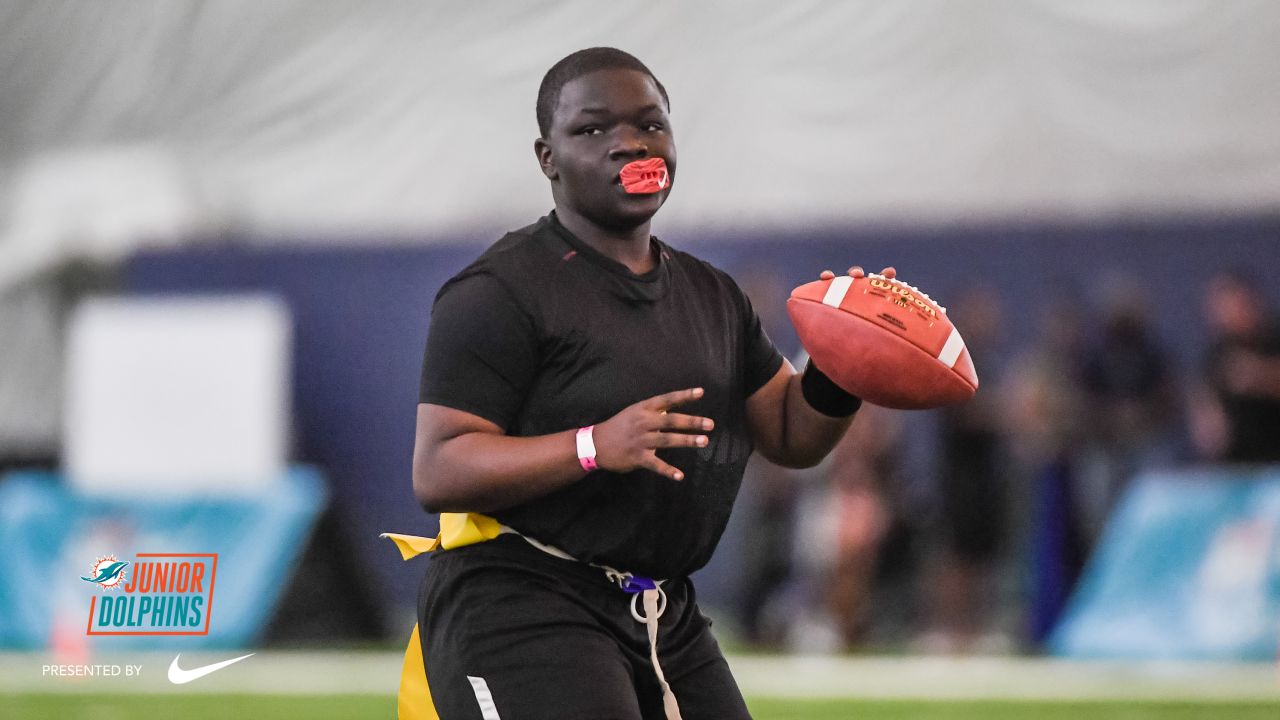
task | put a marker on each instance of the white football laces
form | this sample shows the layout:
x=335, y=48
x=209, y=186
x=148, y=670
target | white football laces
x=913, y=288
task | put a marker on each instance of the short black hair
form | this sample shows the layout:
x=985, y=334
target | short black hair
x=580, y=63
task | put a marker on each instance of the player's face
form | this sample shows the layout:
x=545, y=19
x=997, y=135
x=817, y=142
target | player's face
x=603, y=121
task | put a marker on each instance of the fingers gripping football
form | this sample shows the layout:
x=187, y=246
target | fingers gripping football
x=857, y=272
x=630, y=439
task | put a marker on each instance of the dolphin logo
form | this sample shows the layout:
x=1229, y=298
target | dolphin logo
x=108, y=573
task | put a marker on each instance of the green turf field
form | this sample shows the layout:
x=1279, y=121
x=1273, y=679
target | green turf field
x=351, y=707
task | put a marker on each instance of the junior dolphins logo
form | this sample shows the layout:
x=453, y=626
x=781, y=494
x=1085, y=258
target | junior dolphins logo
x=162, y=594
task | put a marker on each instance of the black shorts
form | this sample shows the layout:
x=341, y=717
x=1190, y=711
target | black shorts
x=541, y=637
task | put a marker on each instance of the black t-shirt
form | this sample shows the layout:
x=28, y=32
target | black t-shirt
x=543, y=334
x=1253, y=420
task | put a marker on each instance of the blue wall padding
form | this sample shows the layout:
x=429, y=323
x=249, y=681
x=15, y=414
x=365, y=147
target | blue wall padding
x=52, y=535
x=1187, y=569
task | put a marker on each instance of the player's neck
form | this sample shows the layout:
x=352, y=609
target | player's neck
x=629, y=247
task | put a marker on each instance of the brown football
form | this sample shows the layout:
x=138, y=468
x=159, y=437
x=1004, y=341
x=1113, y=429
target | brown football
x=884, y=341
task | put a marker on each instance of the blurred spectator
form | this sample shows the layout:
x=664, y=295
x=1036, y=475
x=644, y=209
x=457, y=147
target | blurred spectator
x=971, y=525
x=1046, y=420
x=863, y=502
x=1236, y=416
x=849, y=518
x=769, y=501
x=1131, y=400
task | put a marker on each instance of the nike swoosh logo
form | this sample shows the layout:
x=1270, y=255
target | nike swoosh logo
x=178, y=676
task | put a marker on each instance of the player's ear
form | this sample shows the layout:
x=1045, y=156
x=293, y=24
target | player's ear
x=542, y=149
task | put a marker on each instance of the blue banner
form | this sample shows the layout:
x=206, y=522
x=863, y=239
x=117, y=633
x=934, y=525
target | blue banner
x=1187, y=569
x=106, y=572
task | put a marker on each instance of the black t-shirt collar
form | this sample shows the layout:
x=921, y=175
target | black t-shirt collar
x=650, y=286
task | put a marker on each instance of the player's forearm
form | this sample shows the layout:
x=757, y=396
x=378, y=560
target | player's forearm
x=465, y=463
x=797, y=418
x=486, y=472
x=808, y=435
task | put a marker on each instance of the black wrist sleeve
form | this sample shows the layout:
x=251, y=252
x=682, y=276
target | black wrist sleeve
x=825, y=396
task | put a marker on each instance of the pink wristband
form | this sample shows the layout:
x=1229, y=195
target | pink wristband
x=586, y=448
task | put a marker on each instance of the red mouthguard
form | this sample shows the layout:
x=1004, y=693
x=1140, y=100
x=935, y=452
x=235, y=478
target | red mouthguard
x=644, y=177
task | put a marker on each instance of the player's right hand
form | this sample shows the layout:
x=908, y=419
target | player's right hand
x=857, y=272
x=627, y=441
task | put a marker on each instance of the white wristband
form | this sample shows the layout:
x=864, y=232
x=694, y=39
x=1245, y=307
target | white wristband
x=586, y=448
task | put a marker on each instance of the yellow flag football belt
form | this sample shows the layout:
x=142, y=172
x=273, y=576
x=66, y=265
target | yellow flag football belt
x=461, y=529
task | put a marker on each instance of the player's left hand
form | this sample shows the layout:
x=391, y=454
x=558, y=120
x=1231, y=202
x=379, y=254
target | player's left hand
x=857, y=272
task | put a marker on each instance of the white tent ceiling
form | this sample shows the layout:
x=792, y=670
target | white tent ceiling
x=297, y=120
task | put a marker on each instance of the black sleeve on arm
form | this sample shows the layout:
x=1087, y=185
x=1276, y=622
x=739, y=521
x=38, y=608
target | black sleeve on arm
x=825, y=396
x=482, y=350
